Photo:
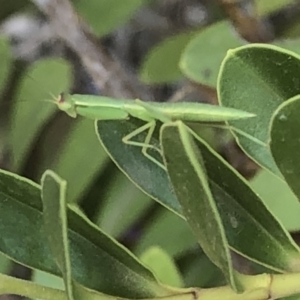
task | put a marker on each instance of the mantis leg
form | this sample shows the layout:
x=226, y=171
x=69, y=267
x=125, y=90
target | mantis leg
x=150, y=126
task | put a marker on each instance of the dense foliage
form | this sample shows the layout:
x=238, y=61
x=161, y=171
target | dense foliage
x=110, y=223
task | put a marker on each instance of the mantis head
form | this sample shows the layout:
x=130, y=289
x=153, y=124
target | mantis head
x=66, y=104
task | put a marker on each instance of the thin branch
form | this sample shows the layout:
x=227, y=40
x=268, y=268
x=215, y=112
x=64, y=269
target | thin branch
x=108, y=75
x=243, y=15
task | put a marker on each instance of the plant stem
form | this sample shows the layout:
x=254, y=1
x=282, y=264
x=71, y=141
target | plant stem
x=259, y=287
x=285, y=285
x=11, y=285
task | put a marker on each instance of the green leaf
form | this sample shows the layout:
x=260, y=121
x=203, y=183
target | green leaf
x=161, y=64
x=56, y=227
x=77, y=153
x=139, y=169
x=106, y=15
x=122, y=205
x=47, y=279
x=31, y=290
x=98, y=262
x=45, y=77
x=258, y=78
x=279, y=199
x=4, y=264
x=285, y=142
x=237, y=211
x=164, y=225
x=190, y=183
x=203, y=56
x=162, y=265
x=250, y=227
x=198, y=270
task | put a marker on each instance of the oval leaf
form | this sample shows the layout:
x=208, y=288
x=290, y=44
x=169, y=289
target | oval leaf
x=56, y=227
x=279, y=198
x=258, y=78
x=162, y=63
x=141, y=171
x=121, y=196
x=231, y=201
x=244, y=215
x=98, y=262
x=203, y=56
x=188, y=176
x=285, y=142
x=43, y=78
x=81, y=142
x=166, y=223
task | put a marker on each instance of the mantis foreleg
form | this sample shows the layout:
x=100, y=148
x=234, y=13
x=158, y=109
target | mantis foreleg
x=150, y=126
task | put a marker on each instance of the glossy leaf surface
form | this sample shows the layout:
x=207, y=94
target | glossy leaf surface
x=98, y=262
x=258, y=78
x=56, y=226
x=285, y=142
x=235, y=201
x=187, y=173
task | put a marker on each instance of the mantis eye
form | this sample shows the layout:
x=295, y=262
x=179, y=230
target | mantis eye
x=65, y=103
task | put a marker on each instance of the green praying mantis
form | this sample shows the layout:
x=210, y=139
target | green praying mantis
x=104, y=108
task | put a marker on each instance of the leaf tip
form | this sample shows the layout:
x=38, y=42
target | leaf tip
x=53, y=176
x=230, y=52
